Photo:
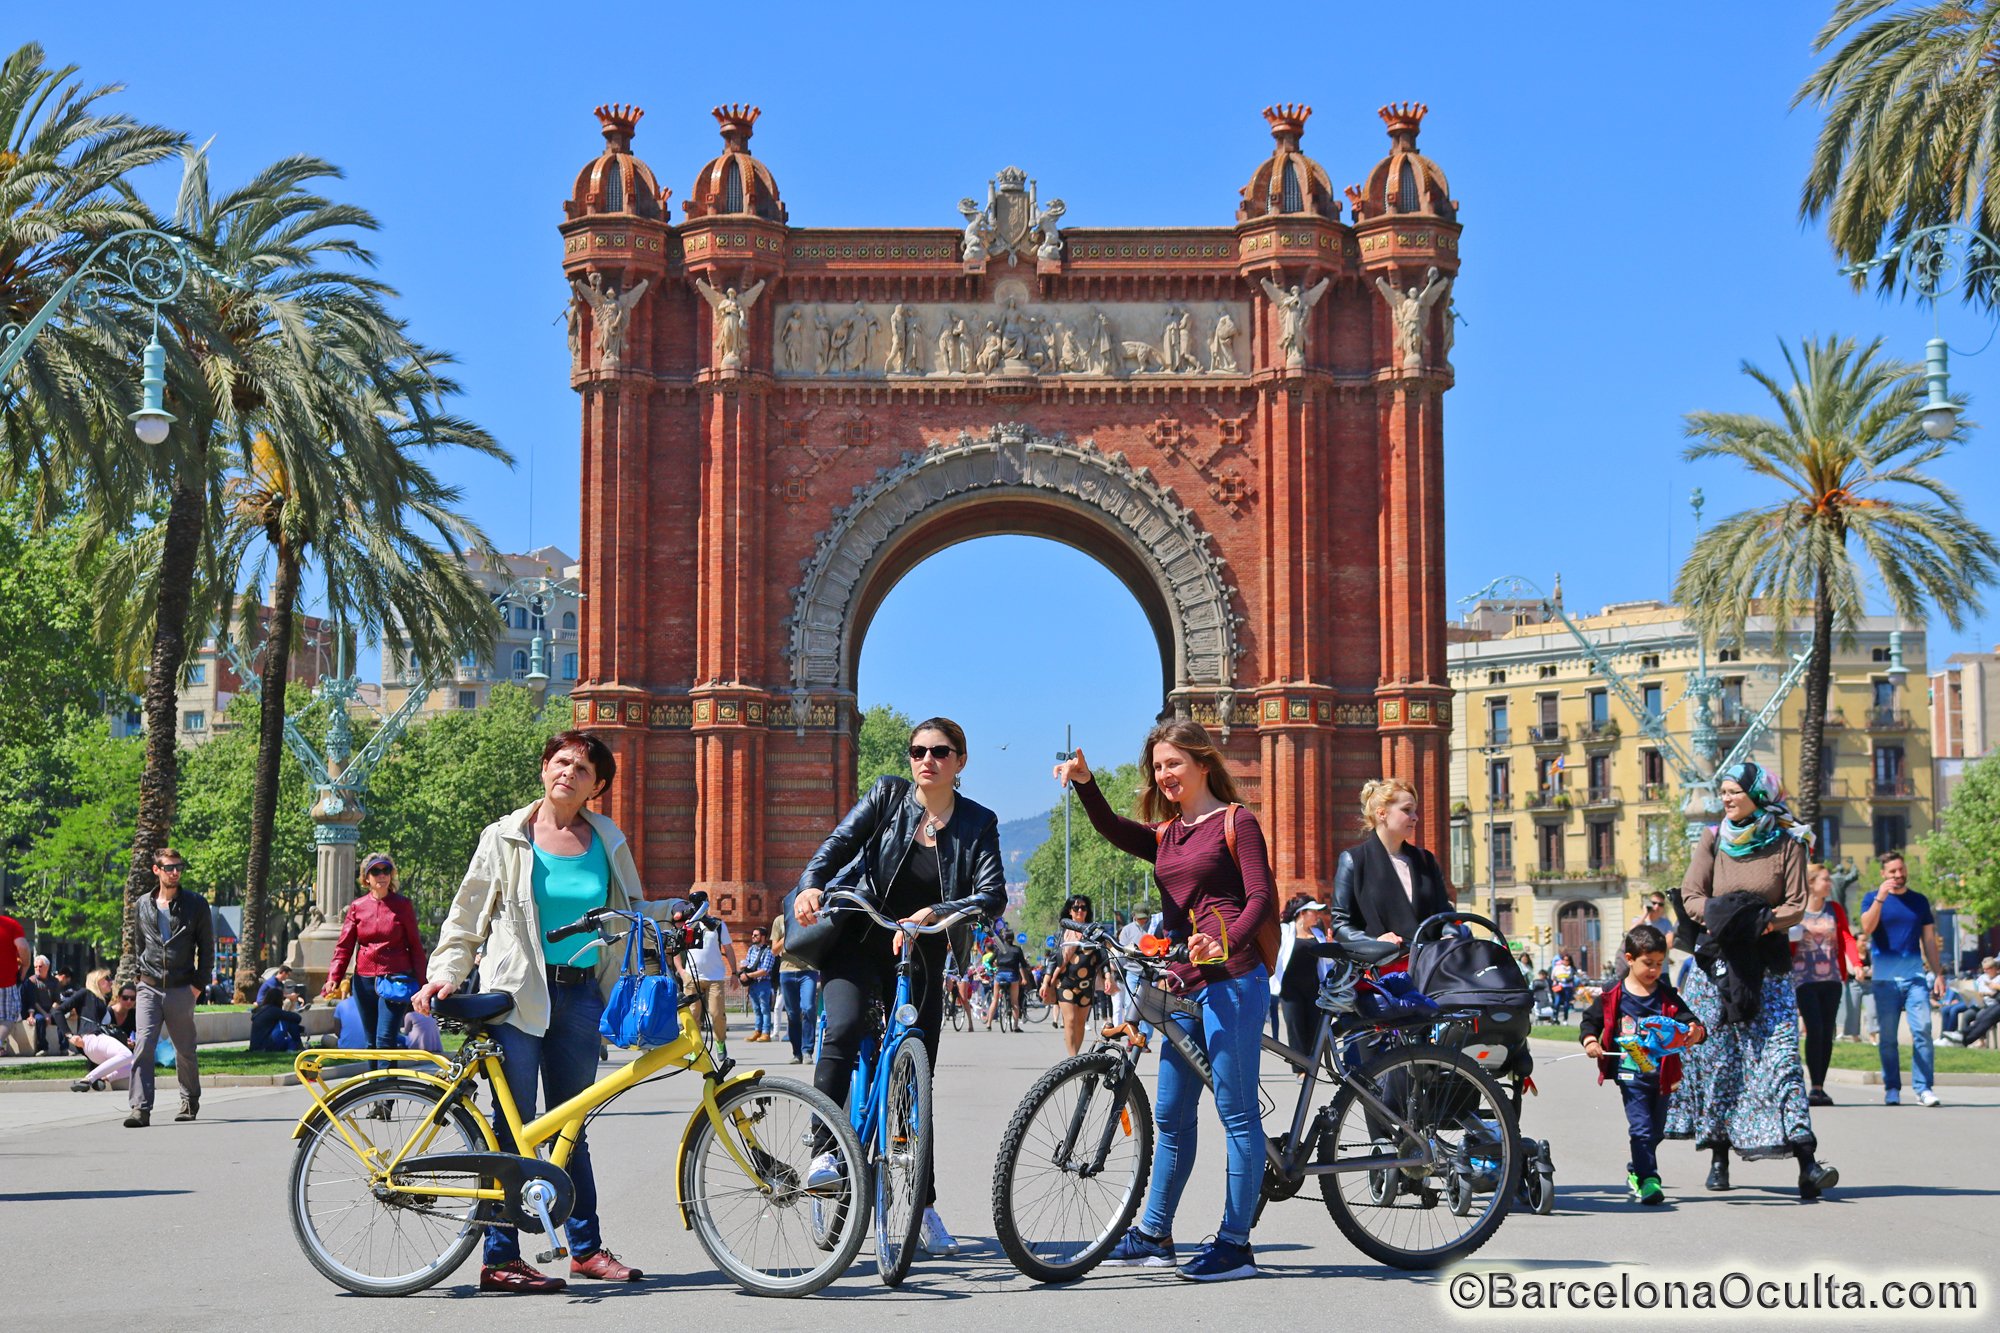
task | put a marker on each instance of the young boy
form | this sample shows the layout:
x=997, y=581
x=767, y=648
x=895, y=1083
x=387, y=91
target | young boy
x=1643, y=993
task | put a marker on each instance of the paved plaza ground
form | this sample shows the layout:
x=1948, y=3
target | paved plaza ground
x=191, y=1219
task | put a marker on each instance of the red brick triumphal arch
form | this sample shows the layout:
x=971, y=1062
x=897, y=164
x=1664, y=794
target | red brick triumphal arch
x=1243, y=422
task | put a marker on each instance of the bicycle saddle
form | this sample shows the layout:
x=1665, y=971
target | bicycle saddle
x=1369, y=952
x=478, y=1007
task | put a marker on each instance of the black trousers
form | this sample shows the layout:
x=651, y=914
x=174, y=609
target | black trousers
x=1301, y=1023
x=1819, y=1006
x=850, y=985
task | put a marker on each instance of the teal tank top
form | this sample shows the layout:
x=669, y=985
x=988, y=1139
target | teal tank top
x=565, y=888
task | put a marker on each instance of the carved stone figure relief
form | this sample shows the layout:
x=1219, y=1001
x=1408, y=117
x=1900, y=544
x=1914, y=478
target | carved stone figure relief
x=1409, y=314
x=732, y=311
x=1011, y=458
x=1010, y=222
x=609, y=310
x=1294, y=304
x=1013, y=338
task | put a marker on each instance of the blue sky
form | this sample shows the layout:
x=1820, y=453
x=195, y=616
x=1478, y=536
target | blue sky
x=1628, y=177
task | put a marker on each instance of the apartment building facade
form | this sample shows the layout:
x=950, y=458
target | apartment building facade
x=209, y=682
x=1964, y=715
x=1565, y=815
x=473, y=677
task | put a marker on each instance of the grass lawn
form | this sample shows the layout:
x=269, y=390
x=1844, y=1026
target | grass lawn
x=1853, y=1054
x=214, y=1060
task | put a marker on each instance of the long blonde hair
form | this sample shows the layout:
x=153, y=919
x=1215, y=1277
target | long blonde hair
x=1191, y=738
x=1377, y=796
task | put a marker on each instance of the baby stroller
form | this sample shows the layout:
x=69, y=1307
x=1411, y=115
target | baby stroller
x=1544, y=1001
x=1462, y=970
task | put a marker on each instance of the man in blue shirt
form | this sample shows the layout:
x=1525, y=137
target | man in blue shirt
x=1903, y=939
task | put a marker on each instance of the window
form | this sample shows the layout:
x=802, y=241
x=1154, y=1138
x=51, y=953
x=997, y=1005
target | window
x=1888, y=766
x=194, y=720
x=1652, y=768
x=1827, y=846
x=1600, y=773
x=614, y=189
x=1659, y=840
x=1461, y=852
x=569, y=666
x=1653, y=698
x=1885, y=694
x=1600, y=707
x=1892, y=834
x=1550, y=839
x=1549, y=773
x=468, y=698
x=1503, y=916
x=1496, y=678
x=1547, y=671
x=1878, y=654
x=1496, y=721
x=1649, y=662
x=1499, y=781
x=1828, y=756
x=1721, y=655
x=569, y=622
x=520, y=663
x=1602, y=853
x=1293, y=201
x=1407, y=198
x=1546, y=705
x=198, y=674
x=520, y=617
x=732, y=188
x=1503, y=851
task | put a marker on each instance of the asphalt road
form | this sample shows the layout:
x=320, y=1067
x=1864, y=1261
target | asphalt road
x=190, y=1219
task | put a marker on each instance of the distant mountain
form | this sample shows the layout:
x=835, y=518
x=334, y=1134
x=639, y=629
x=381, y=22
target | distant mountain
x=1018, y=840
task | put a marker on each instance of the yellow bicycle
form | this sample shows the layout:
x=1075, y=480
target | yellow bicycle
x=397, y=1171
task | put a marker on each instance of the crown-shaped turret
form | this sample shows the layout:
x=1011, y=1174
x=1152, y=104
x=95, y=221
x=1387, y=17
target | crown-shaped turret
x=1288, y=182
x=736, y=182
x=1405, y=181
x=616, y=181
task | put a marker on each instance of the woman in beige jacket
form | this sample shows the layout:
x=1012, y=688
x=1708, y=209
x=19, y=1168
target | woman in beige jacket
x=540, y=867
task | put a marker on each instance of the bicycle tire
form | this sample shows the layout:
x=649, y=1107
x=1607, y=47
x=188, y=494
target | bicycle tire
x=955, y=1012
x=1447, y=1094
x=322, y=1140
x=1057, y=1259
x=795, y=1119
x=903, y=1178
x=1034, y=1009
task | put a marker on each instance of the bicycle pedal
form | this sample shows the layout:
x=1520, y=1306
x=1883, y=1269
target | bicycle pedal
x=561, y=1251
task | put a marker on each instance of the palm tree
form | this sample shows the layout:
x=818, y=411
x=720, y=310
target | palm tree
x=1912, y=130
x=1847, y=454
x=360, y=508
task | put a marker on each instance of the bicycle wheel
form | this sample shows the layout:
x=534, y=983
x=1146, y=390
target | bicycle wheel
x=1033, y=1008
x=762, y=1231
x=956, y=1013
x=1465, y=1130
x=392, y=1245
x=903, y=1172
x=1073, y=1166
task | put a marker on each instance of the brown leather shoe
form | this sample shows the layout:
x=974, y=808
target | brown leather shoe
x=517, y=1279
x=604, y=1266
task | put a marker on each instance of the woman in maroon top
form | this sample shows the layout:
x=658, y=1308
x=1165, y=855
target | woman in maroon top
x=1217, y=899
x=379, y=934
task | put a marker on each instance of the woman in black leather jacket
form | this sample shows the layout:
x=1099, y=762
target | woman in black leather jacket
x=919, y=851
x=1385, y=885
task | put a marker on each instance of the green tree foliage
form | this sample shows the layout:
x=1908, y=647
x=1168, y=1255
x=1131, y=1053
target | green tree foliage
x=1962, y=856
x=72, y=874
x=446, y=780
x=57, y=677
x=883, y=747
x=1912, y=129
x=1096, y=867
x=1846, y=456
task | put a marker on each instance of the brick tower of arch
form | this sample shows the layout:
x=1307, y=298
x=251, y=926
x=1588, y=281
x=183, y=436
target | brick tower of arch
x=1243, y=422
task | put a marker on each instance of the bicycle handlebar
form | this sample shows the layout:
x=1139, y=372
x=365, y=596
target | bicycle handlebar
x=595, y=918
x=849, y=898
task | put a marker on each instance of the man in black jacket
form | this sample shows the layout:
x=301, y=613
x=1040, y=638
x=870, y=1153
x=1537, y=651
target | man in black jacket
x=176, y=955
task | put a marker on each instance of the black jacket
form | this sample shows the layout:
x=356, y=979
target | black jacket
x=1737, y=951
x=1368, y=898
x=870, y=845
x=187, y=955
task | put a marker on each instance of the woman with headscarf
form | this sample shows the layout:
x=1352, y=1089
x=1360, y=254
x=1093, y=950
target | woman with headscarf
x=1744, y=1088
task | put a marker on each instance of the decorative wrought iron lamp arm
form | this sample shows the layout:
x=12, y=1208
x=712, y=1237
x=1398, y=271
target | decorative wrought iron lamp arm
x=151, y=265
x=295, y=741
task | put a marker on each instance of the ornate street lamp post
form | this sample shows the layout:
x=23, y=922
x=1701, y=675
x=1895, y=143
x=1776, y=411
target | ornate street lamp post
x=150, y=267
x=1934, y=261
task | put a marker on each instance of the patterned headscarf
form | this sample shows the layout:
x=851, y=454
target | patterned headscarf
x=1773, y=820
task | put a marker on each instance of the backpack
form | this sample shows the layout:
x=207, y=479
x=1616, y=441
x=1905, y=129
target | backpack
x=1268, y=941
x=1475, y=972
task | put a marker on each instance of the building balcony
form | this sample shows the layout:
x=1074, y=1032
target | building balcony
x=1731, y=715
x=1892, y=789
x=1605, y=876
x=1598, y=798
x=1500, y=800
x=1548, y=733
x=1547, y=801
x=1653, y=793
x=1499, y=735
x=1503, y=874
x=1835, y=718
x=1599, y=733
x=1835, y=789
x=1888, y=719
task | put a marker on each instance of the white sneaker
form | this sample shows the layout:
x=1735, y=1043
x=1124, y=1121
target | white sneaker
x=938, y=1243
x=1929, y=1098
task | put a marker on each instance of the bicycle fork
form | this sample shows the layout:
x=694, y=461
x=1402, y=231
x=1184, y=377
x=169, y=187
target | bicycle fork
x=1120, y=1119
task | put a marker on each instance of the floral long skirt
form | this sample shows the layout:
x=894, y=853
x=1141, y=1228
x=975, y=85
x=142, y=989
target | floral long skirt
x=1744, y=1087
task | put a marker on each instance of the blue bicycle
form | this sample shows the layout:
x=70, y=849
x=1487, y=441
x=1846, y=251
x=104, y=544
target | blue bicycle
x=889, y=1103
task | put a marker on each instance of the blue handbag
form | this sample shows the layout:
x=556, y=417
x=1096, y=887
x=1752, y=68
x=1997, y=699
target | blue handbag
x=396, y=989
x=644, y=1008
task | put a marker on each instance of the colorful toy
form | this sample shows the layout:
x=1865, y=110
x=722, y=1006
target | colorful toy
x=1655, y=1037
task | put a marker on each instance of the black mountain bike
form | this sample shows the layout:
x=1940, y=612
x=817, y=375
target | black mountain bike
x=1411, y=1130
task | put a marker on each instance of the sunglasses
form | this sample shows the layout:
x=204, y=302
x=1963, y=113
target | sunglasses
x=175, y=866
x=381, y=868
x=934, y=751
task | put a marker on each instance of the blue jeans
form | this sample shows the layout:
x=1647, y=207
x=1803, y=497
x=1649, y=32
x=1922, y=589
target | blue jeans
x=1645, y=1120
x=1894, y=997
x=1230, y=1034
x=563, y=1061
x=381, y=1019
x=800, y=989
x=760, y=1004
